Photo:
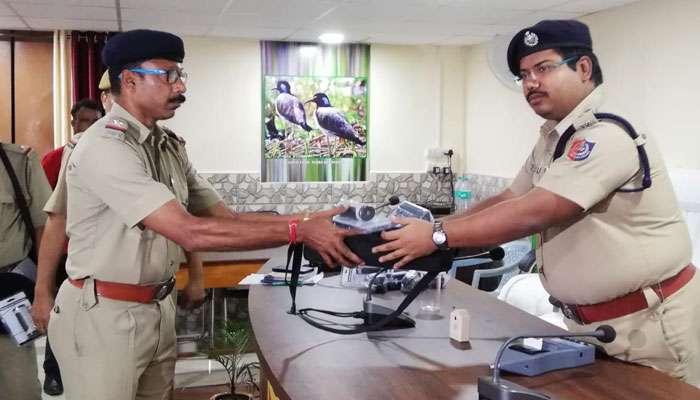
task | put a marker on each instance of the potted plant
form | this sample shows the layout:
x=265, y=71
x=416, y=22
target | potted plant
x=229, y=349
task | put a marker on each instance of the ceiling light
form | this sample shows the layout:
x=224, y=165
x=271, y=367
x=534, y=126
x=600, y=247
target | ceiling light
x=308, y=51
x=331, y=38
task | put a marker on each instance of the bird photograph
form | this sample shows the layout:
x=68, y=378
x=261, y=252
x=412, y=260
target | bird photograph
x=331, y=121
x=289, y=107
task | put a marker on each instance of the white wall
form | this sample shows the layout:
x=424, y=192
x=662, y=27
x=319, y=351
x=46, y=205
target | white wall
x=500, y=128
x=416, y=103
x=221, y=118
x=649, y=53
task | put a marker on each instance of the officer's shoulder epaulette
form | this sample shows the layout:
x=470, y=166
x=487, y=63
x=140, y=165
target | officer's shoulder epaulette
x=17, y=148
x=117, y=124
x=172, y=134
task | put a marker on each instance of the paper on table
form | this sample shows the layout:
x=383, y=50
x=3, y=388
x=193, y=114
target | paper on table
x=252, y=279
x=257, y=279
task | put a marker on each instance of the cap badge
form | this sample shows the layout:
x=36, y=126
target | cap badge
x=531, y=39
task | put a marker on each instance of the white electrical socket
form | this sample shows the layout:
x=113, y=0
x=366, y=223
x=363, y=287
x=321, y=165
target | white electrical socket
x=459, y=325
x=437, y=153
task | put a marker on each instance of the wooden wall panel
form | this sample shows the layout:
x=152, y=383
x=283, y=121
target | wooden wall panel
x=5, y=102
x=34, y=95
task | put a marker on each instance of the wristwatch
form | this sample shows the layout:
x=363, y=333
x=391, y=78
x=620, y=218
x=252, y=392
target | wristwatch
x=439, y=236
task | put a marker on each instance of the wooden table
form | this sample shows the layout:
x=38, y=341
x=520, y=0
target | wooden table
x=302, y=362
x=220, y=274
x=226, y=269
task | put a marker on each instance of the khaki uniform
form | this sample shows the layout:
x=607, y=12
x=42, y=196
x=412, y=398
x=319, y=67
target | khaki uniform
x=18, y=377
x=14, y=241
x=623, y=242
x=119, y=173
x=58, y=201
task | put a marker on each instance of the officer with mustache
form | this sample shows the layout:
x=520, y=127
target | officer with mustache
x=135, y=204
x=613, y=245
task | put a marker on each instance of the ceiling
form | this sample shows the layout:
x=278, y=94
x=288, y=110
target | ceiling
x=439, y=22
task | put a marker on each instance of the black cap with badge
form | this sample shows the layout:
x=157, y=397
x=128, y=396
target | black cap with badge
x=544, y=35
x=141, y=45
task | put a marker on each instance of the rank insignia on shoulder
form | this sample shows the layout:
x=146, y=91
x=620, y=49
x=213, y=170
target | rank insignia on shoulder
x=117, y=124
x=580, y=150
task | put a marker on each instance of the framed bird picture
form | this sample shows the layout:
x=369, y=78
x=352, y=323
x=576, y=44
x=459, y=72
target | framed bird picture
x=314, y=120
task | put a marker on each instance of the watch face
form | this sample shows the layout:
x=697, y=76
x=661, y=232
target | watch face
x=439, y=238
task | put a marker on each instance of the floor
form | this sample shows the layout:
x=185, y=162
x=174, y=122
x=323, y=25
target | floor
x=195, y=378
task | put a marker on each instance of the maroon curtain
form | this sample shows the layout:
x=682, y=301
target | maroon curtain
x=86, y=54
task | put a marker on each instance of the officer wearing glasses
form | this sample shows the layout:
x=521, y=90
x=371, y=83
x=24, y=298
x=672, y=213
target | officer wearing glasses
x=135, y=204
x=613, y=246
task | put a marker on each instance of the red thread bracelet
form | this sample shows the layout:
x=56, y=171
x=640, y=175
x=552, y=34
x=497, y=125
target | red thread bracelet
x=293, y=231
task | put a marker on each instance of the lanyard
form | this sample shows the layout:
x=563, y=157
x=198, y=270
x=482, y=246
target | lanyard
x=627, y=127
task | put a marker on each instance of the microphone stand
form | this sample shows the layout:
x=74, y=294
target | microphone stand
x=494, y=388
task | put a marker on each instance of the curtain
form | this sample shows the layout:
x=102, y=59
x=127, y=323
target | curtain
x=86, y=50
x=61, y=89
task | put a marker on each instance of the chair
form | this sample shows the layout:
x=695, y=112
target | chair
x=489, y=275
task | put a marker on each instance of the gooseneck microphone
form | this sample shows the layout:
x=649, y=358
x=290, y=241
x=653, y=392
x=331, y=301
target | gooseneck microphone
x=494, y=388
x=393, y=200
x=365, y=213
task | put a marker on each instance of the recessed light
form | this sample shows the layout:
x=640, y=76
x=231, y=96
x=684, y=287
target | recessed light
x=331, y=38
x=308, y=51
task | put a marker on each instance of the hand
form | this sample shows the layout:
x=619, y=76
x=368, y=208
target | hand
x=319, y=233
x=413, y=240
x=41, y=309
x=193, y=295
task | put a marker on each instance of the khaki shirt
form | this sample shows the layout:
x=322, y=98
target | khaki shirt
x=14, y=241
x=624, y=241
x=59, y=198
x=119, y=173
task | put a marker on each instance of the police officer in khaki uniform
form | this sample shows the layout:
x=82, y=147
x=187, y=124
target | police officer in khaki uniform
x=52, y=248
x=15, y=243
x=18, y=377
x=614, y=250
x=134, y=203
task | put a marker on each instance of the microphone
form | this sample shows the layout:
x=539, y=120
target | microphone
x=494, y=388
x=393, y=200
x=366, y=213
x=497, y=253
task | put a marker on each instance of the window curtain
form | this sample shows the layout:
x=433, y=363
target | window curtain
x=61, y=89
x=86, y=60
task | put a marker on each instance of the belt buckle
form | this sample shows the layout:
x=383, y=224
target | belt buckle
x=571, y=313
x=164, y=289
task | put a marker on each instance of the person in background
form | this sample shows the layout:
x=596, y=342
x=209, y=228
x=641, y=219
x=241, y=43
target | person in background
x=18, y=375
x=105, y=92
x=84, y=113
x=612, y=250
x=17, y=242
